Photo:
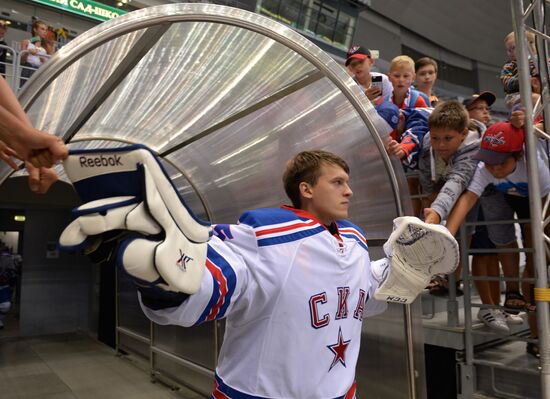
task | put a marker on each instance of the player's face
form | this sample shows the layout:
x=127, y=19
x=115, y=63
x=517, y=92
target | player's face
x=401, y=78
x=445, y=142
x=480, y=111
x=426, y=76
x=329, y=197
x=504, y=169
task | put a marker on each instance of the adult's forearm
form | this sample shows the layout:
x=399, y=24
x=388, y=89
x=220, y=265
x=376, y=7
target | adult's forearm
x=9, y=102
x=12, y=126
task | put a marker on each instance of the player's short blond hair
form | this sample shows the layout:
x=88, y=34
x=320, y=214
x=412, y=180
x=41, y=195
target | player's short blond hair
x=306, y=167
x=450, y=115
x=402, y=61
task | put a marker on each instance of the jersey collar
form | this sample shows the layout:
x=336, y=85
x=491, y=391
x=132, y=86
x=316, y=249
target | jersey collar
x=332, y=228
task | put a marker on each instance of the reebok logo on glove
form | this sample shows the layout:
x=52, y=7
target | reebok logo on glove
x=93, y=162
x=129, y=190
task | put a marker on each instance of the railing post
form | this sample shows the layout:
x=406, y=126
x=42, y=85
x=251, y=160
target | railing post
x=539, y=258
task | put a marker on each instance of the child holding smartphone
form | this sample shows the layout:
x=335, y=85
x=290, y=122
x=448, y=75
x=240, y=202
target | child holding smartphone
x=375, y=85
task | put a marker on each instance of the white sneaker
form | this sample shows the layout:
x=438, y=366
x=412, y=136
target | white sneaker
x=493, y=319
x=512, y=318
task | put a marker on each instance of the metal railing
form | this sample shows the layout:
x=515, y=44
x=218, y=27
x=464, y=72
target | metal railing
x=17, y=73
x=532, y=19
x=468, y=385
x=8, y=67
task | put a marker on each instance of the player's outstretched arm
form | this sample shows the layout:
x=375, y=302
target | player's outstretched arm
x=466, y=202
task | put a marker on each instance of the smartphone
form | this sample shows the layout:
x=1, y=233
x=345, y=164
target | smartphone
x=376, y=81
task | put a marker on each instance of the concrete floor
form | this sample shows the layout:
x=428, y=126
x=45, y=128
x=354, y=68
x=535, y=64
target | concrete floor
x=73, y=366
x=11, y=323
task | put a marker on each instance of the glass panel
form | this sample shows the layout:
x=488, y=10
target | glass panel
x=183, y=375
x=133, y=346
x=193, y=343
x=191, y=80
x=66, y=97
x=130, y=315
x=240, y=166
x=182, y=184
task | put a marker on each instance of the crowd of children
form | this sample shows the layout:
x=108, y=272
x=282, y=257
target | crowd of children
x=466, y=168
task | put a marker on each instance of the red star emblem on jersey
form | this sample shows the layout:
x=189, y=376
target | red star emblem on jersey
x=339, y=350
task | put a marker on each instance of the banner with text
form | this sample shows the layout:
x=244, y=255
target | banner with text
x=87, y=8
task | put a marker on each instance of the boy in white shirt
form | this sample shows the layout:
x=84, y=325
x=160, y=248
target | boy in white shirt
x=503, y=164
x=359, y=62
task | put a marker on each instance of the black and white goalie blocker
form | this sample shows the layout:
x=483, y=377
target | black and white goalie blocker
x=127, y=189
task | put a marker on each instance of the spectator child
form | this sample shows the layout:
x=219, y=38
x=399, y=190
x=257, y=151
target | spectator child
x=509, y=73
x=359, y=62
x=401, y=77
x=426, y=75
x=34, y=54
x=503, y=165
x=389, y=112
x=479, y=109
x=413, y=125
x=446, y=167
x=405, y=144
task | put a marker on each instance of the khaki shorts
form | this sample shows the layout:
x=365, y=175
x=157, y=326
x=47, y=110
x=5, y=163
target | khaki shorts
x=499, y=206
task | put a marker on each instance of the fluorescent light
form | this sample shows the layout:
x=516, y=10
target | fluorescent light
x=19, y=218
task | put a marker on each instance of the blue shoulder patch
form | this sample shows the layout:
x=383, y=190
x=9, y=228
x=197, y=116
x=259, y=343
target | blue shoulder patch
x=347, y=223
x=350, y=230
x=266, y=216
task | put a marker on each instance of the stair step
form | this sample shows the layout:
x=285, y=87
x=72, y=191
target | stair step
x=516, y=377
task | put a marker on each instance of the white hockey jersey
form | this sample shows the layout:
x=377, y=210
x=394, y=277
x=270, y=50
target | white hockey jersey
x=294, y=296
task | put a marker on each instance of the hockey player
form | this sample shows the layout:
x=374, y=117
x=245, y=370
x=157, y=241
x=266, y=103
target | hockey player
x=294, y=283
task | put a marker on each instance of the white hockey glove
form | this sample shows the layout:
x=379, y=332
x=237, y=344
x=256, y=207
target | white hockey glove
x=163, y=243
x=415, y=252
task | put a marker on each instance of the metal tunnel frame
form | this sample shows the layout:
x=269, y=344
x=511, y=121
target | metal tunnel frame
x=535, y=12
x=157, y=21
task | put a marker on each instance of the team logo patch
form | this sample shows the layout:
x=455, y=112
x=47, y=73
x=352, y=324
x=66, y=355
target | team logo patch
x=183, y=260
x=496, y=140
x=353, y=50
x=340, y=248
x=339, y=350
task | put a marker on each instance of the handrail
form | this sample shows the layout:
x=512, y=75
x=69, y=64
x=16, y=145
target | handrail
x=14, y=70
x=535, y=12
x=19, y=68
x=469, y=352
